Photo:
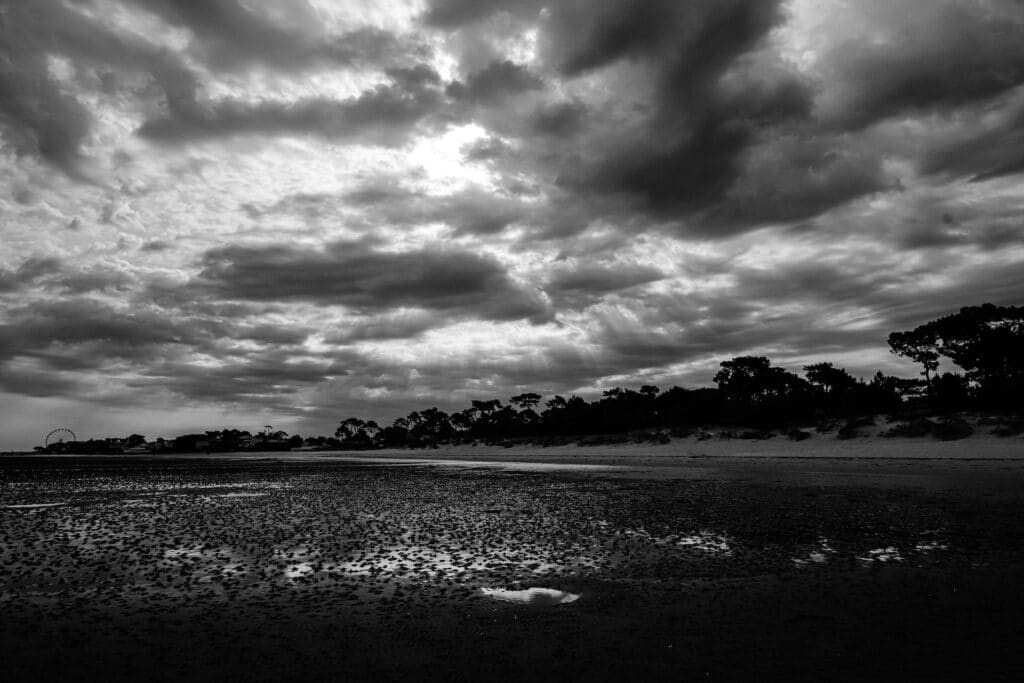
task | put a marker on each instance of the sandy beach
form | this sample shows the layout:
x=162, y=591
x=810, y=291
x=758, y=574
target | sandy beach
x=718, y=560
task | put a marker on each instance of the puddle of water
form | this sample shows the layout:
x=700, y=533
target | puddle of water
x=250, y=485
x=404, y=559
x=204, y=564
x=417, y=562
x=704, y=541
x=33, y=506
x=218, y=497
x=535, y=597
x=932, y=542
x=819, y=556
x=929, y=546
x=298, y=560
x=298, y=570
x=889, y=554
x=196, y=552
x=473, y=464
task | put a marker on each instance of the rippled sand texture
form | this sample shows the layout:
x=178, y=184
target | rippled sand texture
x=119, y=563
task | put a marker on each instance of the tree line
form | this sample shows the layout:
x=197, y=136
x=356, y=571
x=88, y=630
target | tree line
x=985, y=342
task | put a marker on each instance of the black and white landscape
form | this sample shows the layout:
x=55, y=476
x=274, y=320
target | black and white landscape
x=511, y=339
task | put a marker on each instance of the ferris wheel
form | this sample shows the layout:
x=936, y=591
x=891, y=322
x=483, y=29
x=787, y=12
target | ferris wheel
x=59, y=435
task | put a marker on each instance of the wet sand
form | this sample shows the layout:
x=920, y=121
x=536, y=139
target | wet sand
x=717, y=565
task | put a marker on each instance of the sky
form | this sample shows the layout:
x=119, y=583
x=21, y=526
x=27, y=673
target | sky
x=236, y=213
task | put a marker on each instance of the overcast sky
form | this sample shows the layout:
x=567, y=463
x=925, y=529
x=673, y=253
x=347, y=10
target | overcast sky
x=242, y=212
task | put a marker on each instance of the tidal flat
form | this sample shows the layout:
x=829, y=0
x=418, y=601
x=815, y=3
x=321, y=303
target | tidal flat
x=229, y=568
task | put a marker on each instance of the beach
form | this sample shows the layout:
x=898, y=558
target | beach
x=714, y=560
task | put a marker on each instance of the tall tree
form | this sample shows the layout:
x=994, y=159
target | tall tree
x=919, y=345
x=753, y=379
x=831, y=379
x=987, y=341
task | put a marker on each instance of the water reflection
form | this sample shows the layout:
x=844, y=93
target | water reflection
x=932, y=540
x=888, y=554
x=818, y=556
x=705, y=541
x=33, y=506
x=534, y=597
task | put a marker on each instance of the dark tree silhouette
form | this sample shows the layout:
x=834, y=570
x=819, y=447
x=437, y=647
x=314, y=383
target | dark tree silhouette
x=919, y=345
x=757, y=393
x=987, y=341
x=526, y=401
x=830, y=379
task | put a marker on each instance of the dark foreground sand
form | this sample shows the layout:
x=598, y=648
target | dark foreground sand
x=708, y=567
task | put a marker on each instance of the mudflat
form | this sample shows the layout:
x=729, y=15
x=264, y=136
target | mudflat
x=711, y=561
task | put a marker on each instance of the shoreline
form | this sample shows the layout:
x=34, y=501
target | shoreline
x=818, y=446
x=981, y=462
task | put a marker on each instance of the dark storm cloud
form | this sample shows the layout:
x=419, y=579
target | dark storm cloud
x=684, y=175
x=498, y=80
x=588, y=36
x=94, y=280
x=795, y=177
x=690, y=44
x=404, y=325
x=487, y=149
x=687, y=173
x=384, y=203
x=715, y=331
x=823, y=284
x=558, y=119
x=37, y=382
x=711, y=103
x=385, y=114
x=451, y=386
x=944, y=55
x=48, y=348
x=939, y=224
x=362, y=278
x=733, y=138
x=1011, y=168
x=82, y=332
x=798, y=310
x=258, y=379
x=792, y=306
x=477, y=213
x=580, y=286
x=1000, y=284
x=272, y=335
x=45, y=117
x=47, y=273
x=84, y=320
x=470, y=211
x=40, y=116
x=30, y=271
x=232, y=33
x=45, y=120
x=987, y=148
x=155, y=246
x=455, y=13
x=81, y=335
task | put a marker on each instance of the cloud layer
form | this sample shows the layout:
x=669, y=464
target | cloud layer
x=303, y=210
